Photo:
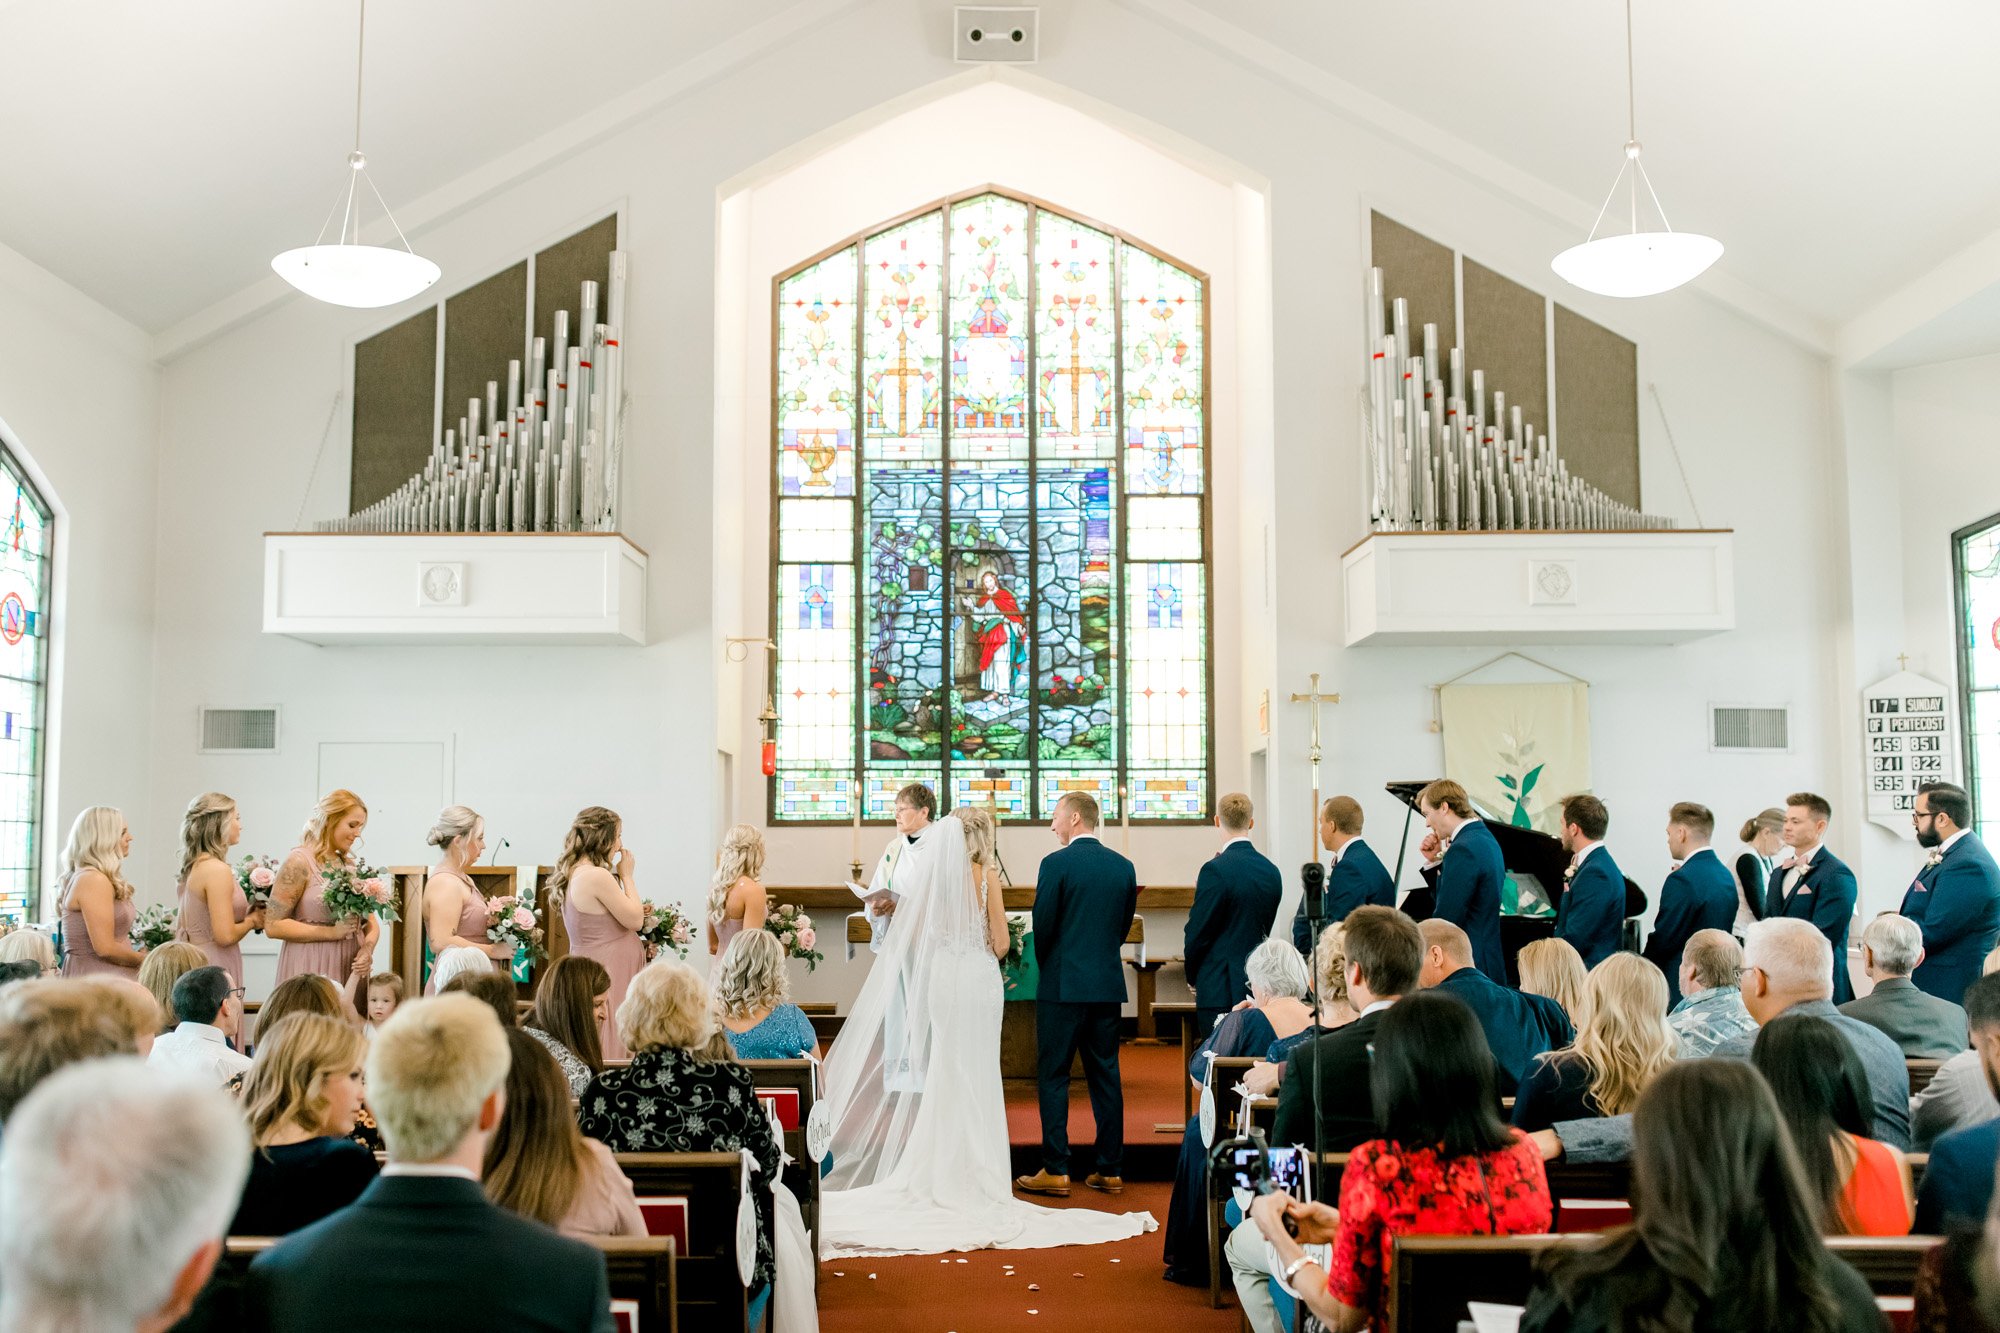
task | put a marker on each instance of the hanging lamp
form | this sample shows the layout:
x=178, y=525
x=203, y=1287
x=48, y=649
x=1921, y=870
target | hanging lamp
x=345, y=271
x=1635, y=263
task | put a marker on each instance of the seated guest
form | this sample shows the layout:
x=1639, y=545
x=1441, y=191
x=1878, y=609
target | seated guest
x=1555, y=969
x=1335, y=1012
x=1725, y=1234
x=115, y=1183
x=1236, y=895
x=385, y=992
x=753, y=993
x=437, y=1076
x=1958, y=1094
x=665, y=1016
x=1518, y=1026
x=1699, y=895
x=1277, y=1009
x=301, y=1098
x=1355, y=877
x=455, y=960
x=1955, y=900
x=540, y=1166
x=1443, y=1164
x=1762, y=836
x=1786, y=965
x=163, y=967
x=1466, y=870
x=1324, y=1096
x=1815, y=885
x=1622, y=1046
x=495, y=990
x=1591, y=914
x=1958, y=1184
x=1923, y=1026
x=50, y=1023
x=29, y=944
x=306, y=993
x=1861, y=1186
x=1712, y=1013
x=210, y=1009
x=568, y=1013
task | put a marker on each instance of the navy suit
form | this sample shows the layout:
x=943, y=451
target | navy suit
x=1518, y=1026
x=1701, y=895
x=1592, y=911
x=1825, y=895
x=1085, y=898
x=1468, y=894
x=1236, y=897
x=1957, y=904
x=1357, y=879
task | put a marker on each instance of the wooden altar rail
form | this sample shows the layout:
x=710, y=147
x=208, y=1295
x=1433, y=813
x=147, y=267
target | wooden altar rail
x=1017, y=897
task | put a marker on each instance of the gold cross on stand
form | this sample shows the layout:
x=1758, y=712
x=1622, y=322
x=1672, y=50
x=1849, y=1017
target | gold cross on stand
x=1315, y=698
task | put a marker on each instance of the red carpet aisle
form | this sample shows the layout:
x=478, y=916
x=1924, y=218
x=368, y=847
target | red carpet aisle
x=1152, y=1080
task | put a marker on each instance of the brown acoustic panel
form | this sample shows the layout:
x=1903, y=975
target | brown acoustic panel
x=1506, y=335
x=1597, y=405
x=1419, y=270
x=395, y=404
x=563, y=268
x=483, y=328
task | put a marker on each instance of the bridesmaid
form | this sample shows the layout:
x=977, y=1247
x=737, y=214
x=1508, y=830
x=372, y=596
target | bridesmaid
x=298, y=919
x=601, y=910
x=454, y=908
x=214, y=913
x=95, y=901
x=736, y=901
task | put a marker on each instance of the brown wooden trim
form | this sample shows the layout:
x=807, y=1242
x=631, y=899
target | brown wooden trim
x=1544, y=532
x=1017, y=897
x=537, y=535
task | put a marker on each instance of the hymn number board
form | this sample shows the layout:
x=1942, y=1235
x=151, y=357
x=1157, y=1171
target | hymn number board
x=1907, y=738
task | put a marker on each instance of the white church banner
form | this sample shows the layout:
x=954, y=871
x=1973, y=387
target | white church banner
x=1907, y=738
x=1518, y=749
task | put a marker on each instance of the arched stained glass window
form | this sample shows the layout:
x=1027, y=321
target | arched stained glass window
x=24, y=664
x=1975, y=555
x=991, y=520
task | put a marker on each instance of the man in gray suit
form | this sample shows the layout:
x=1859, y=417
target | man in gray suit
x=1925, y=1027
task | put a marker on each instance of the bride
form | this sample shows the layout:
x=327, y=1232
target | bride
x=921, y=1161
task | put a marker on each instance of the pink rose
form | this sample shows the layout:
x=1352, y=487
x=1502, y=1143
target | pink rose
x=804, y=922
x=681, y=934
x=523, y=918
x=787, y=939
x=262, y=878
x=807, y=938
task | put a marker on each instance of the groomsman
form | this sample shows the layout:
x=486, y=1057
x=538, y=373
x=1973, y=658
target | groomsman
x=1357, y=878
x=1815, y=885
x=1700, y=894
x=1465, y=866
x=1956, y=896
x=1236, y=897
x=1592, y=912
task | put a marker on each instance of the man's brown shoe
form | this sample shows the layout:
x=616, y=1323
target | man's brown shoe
x=1044, y=1183
x=1105, y=1184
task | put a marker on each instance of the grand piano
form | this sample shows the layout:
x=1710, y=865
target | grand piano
x=1535, y=862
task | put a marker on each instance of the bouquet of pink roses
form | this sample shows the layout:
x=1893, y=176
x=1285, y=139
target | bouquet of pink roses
x=255, y=875
x=356, y=891
x=665, y=928
x=794, y=930
x=514, y=921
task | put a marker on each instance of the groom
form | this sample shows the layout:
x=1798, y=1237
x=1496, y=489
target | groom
x=1085, y=896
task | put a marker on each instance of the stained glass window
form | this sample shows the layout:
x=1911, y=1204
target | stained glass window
x=24, y=661
x=1976, y=558
x=991, y=494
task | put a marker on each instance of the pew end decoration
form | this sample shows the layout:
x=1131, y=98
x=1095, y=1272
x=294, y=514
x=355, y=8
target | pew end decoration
x=794, y=930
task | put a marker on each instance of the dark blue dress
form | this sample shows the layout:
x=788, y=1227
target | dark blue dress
x=1243, y=1032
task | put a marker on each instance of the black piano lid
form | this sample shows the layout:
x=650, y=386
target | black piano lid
x=1528, y=852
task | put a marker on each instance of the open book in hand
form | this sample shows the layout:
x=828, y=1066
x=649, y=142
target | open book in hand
x=873, y=899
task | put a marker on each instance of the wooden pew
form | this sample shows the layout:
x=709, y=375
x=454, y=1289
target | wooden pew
x=644, y=1275
x=1921, y=1073
x=788, y=1084
x=693, y=1198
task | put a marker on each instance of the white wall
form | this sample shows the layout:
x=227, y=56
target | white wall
x=79, y=401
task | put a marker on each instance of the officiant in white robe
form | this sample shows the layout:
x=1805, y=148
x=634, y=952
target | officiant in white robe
x=892, y=882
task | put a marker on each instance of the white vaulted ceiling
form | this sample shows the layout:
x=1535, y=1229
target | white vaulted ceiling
x=157, y=152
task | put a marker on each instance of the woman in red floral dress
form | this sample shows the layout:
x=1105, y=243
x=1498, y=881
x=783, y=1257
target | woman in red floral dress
x=1446, y=1165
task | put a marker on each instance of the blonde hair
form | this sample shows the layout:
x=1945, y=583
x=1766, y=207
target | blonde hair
x=741, y=857
x=1234, y=812
x=1555, y=969
x=592, y=835
x=979, y=834
x=166, y=965
x=49, y=1023
x=1330, y=959
x=667, y=1005
x=333, y=808
x=306, y=993
x=286, y=1084
x=430, y=1068
x=1624, y=1041
x=29, y=945
x=205, y=830
x=132, y=1003
x=93, y=845
x=751, y=975
x=453, y=822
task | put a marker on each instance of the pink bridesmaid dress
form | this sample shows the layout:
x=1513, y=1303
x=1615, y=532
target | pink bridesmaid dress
x=79, y=958
x=471, y=921
x=332, y=959
x=623, y=954
x=197, y=928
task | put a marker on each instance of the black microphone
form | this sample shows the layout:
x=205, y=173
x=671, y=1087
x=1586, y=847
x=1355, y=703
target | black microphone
x=495, y=858
x=1313, y=874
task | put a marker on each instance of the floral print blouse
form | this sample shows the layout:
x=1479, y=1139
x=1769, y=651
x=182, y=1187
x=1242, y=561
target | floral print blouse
x=666, y=1100
x=1389, y=1191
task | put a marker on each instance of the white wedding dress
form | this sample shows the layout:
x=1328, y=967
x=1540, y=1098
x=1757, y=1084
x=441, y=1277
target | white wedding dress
x=921, y=1160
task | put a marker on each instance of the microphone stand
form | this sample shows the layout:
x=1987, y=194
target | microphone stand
x=1313, y=877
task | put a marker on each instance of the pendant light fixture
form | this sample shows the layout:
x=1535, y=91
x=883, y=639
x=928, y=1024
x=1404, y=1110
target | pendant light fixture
x=345, y=271
x=1635, y=263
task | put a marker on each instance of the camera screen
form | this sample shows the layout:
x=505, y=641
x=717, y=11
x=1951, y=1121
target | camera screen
x=1287, y=1168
